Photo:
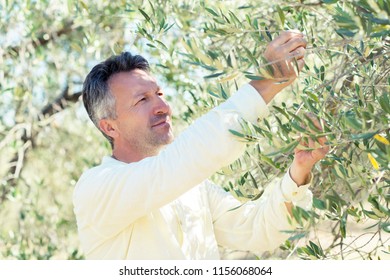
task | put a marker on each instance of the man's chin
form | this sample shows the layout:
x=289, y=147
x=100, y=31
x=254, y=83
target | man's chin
x=166, y=139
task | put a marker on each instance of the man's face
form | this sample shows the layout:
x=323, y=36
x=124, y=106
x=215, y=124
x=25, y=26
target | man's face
x=143, y=116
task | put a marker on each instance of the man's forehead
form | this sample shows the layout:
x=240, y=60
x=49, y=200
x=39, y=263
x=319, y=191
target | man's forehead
x=136, y=80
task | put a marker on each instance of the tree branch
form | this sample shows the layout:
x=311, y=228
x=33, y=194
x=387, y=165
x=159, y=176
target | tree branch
x=60, y=103
x=42, y=40
x=18, y=161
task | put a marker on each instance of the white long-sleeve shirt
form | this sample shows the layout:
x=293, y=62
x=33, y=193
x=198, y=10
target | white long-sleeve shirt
x=163, y=207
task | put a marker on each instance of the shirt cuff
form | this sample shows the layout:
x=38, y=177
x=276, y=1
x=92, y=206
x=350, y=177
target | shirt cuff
x=294, y=193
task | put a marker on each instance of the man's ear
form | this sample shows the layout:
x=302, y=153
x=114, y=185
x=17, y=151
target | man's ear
x=109, y=128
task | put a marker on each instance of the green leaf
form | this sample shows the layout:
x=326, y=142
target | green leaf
x=297, y=127
x=297, y=236
x=322, y=72
x=353, y=121
x=281, y=15
x=236, y=133
x=211, y=11
x=255, y=78
x=343, y=224
x=329, y=1
x=319, y=204
x=286, y=149
x=214, y=94
x=370, y=214
x=317, y=250
x=386, y=227
x=361, y=136
x=214, y=75
x=144, y=14
x=384, y=101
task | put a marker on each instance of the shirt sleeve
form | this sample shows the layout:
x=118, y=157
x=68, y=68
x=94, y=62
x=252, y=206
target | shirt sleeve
x=112, y=196
x=260, y=225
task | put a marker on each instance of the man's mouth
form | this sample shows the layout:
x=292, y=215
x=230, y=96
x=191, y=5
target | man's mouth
x=161, y=123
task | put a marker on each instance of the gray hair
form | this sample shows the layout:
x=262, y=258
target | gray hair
x=97, y=97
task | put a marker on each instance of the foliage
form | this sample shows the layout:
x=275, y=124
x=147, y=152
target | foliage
x=202, y=51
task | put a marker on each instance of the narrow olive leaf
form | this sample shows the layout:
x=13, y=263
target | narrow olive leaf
x=384, y=209
x=187, y=46
x=151, y=6
x=386, y=227
x=236, y=133
x=297, y=236
x=295, y=117
x=280, y=110
x=218, y=64
x=313, y=96
x=228, y=77
x=381, y=139
x=360, y=136
x=162, y=23
x=169, y=27
x=267, y=36
x=251, y=57
x=373, y=161
x=223, y=93
x=214, y=75
x=85, y=6
x=322, y=72
x=343, y=224
x=233, y=59
x=235, y=18
x=286, y=149
x=253, y=77
x=281, y=15
x=384, y=101
x=161, y=44
x=370, y=214
x=329, y=1
x=317, y=250
x=340, y=171
x=296, y=66
x=319, y=204
x=214, y=95
x=211, y=11
x=297, y=127
x=144, y=14
x=264, y=73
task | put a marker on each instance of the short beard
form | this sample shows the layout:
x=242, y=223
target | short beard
x=153, y=144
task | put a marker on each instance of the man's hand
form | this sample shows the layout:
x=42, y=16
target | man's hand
x=305, y=158
x=285, y=53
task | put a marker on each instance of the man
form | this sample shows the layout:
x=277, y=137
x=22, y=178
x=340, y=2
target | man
x=151, y=199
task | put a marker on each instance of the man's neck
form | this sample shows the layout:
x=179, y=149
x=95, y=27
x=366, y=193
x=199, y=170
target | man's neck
x=129, y=155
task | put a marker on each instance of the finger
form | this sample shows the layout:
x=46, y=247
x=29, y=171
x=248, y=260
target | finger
x=295, y=43
x=286, y=36
x=323, y=140
x=298, y=53
x=312, y=143
x=301, y=63
x=319, y=154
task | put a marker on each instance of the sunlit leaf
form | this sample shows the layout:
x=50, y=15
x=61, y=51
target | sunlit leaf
x=381, y=139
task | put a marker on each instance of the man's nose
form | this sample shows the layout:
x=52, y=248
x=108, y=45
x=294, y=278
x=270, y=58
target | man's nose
x=161, y=106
